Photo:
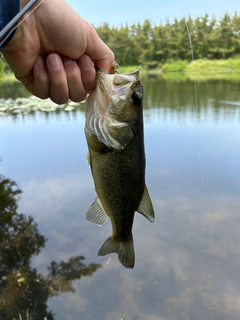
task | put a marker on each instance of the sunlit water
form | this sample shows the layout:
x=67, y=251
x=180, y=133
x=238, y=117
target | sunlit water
x=187, y=261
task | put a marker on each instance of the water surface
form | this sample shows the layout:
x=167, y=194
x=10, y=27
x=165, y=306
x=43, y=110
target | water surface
x=187, y=262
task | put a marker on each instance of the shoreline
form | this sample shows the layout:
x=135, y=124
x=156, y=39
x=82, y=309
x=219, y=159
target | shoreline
x=197, y=70
x=201, y=69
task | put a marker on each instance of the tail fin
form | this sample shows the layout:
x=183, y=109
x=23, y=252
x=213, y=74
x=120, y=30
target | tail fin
x=125, y=251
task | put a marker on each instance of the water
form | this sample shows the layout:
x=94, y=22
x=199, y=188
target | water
x=187, y=261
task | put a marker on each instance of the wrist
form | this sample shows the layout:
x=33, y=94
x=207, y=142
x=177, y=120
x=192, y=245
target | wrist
x=7, y=23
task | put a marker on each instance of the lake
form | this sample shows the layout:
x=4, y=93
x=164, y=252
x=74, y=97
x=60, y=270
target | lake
x=187, y=262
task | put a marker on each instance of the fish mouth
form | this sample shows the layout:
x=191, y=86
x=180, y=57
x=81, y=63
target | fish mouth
x=108, y=83
x=105, y=82
x=109, y=113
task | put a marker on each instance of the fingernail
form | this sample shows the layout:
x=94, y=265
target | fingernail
x=68, y=62
x=53, y=62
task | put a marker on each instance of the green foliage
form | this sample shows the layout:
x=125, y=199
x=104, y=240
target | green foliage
x=226, y=76
x=154, y=45
x=2, y=64
x=216, y=66
x=174, y=77
x=4, y=67
x=177, y=66
x=128, y=69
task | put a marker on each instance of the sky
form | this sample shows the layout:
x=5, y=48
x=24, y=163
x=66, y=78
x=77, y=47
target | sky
x=116, y=13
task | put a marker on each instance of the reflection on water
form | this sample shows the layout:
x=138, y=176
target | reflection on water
x=187, y=262
x=13, y=90
x=24, y=291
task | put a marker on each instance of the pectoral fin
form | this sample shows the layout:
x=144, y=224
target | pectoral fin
x=110, y=133
x=96, y=213
x=93, y=142
x=146, y=207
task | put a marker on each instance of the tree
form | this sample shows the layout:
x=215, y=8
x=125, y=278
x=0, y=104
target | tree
x=222, y=39
x=1, y=66
x=236, y=33
x=152, y=46
x=23, y=291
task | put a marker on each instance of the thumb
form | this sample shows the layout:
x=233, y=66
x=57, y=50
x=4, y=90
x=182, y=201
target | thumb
x=98, y=51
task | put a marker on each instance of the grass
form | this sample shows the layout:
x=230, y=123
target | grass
x=176, y=66
x=174, y=76
x=198, y=76
x=213, y=66
x=202, y=70
x=128, y=69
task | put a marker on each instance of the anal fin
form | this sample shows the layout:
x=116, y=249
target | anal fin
x=96, y=213
x=146, y=207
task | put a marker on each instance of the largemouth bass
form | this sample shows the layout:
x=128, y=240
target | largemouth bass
x=114, y=133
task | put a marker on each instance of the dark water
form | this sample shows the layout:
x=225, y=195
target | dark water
x=187, y=262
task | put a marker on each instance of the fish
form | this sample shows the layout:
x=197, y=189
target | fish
x=115, y=138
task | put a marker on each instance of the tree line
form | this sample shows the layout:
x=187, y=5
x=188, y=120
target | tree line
x=154, y=45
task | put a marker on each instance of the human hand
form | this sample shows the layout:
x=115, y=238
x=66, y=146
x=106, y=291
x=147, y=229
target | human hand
x=53, y=53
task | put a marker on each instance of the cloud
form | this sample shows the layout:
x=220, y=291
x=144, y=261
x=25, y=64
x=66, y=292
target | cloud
x=187, y=261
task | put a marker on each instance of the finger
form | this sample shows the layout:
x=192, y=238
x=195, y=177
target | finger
x=59, y=92
x=41, y=82
x=88, y=72
x=77, y=92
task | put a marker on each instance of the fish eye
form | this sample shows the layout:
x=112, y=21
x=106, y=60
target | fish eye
x=137, y=97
